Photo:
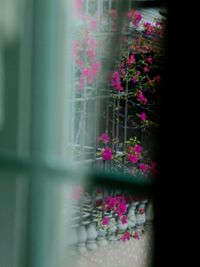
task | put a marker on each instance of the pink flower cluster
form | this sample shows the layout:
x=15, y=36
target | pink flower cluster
x=125, y=236
x=148, y=28
x=90, y=73
x=141, y=98
x=105, y=138
x=143, y=167
x=149, y=60
x=118, y=205
x=143, y=116
x=107, y=154
x=136, y=76
x=78, y=7
x=131, y=59
x=84, y=51
x=135, y=153
x=105, y=220
x=116, y=83
x=135, y=17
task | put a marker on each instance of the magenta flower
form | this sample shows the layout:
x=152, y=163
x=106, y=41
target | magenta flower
x=133, y=158
x=85, y=72
x=125, y=236
x=110, y=202
x=95, y=67
x=134, y=79
x=149, y=60
x=143, y=167
x=116, y=83
x=143, y=116
x=138, y=16
x=136, y=236
x=157, y=24
x=146, y=24
x=138, y=149
x=141, y=98
x=146, y=69
x=131, y=59
x=106, y=220
x=107, y=154
x=121, y=208
x=148, y=28
x=104, y=138
x=135, y=17
x=124, y=219
x=90, y=73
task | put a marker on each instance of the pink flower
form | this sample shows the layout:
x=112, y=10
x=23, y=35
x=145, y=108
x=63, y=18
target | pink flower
x=91, y=53
x=146, y=69
x=134, y=79
x=124, y=219
x=157, y=24
x=138, y=16
x=143, y=167
x=110, y=202
x=148, y=28
x=85, y=72
x=95, y=67
x=138, y=149
x=135, y=17
x=146, y=24
x=141, y=98
x=106, y=220
x=121, y=208
x=125, y=236
x=136, y=236
x=79, y=6
x=131, y=59
x=133, y=158
x=116, y=83
x=107, y=154
x=104, y=138
x=143, y=116
x=149, y=60
x=90, y=73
